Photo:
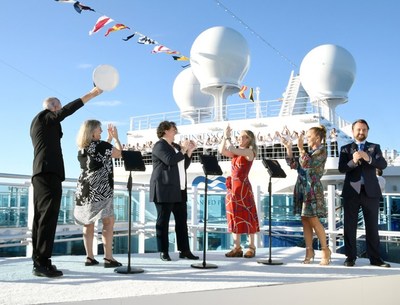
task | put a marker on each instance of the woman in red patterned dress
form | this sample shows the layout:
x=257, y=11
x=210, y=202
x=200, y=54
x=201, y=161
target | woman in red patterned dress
x=241, y=212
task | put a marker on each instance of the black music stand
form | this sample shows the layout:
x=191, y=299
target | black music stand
x=210, y=167
x=275, y=171
x=133, y=161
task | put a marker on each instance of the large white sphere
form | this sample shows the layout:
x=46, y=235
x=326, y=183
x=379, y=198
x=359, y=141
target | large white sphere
x=187, y=94
x=327, y=73
x=220, y=57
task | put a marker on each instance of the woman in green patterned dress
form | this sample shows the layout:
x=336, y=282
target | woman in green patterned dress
x=308, y=195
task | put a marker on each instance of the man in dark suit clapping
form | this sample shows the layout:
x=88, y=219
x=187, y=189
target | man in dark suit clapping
x=359, y=161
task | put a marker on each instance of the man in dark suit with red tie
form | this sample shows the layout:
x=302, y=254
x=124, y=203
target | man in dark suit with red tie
x=48, y=174
x=359, y=161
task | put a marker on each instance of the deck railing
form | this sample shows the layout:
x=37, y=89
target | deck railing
x=16, y=207
x=236, y=111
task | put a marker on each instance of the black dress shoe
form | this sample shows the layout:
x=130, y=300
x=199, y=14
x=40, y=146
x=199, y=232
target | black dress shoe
x=380, y=264
x=349, y=262
x=165, y=256
x=47, y=271
x=187, y=254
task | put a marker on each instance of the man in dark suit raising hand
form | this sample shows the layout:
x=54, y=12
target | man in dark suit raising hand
x=48, y=174
x=359, y=161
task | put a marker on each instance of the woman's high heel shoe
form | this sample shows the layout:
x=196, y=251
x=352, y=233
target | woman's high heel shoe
x=111, y=263
x=327, y=259
x=235, y=252
x=91, y=261
x=309, y=259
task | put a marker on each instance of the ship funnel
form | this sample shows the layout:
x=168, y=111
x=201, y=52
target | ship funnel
x=327, y=73
x=192, y=103
x=220, y=59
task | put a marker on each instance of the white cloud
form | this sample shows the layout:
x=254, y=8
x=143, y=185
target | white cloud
x=115, y=123
x=106, y=103
x=85, y=66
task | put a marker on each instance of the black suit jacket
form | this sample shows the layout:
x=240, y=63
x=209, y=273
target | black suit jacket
x=46, y=134
x=164, y=181
x=352, y=181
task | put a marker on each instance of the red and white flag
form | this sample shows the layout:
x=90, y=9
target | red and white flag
x=102, y=21
x=163, y=49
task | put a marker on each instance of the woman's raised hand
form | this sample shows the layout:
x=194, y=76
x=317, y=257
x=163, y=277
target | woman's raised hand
x=227, y=132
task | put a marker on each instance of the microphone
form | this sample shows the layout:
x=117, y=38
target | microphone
x=354, y=148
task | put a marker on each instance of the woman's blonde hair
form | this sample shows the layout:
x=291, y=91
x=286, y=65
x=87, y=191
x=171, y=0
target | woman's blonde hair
x=85, y=134
x=320, y=131
x=252, y=142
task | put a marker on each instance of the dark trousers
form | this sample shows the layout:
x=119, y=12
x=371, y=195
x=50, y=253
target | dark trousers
x=179, y=210
x=47, y=192
x=370, y=210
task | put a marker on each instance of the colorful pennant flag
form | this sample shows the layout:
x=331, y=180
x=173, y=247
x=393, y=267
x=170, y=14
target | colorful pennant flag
x=117, y=27
x=102, y=21
x=129, y=37
x=146, y=40
x=181, y=58
x=242, y=91
x=163, y=49
x=80, y=7
x=251, y=97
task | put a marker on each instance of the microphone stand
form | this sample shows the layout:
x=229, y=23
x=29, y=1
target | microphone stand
x=269, y=260
x=133, y=161
x=128, y=269
x=275, y=171
x=210, y=166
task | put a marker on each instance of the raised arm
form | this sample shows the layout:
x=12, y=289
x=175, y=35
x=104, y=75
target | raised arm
x=93, y=93
x=226, y=141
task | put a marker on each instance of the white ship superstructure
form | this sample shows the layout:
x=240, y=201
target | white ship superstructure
x=217, y=69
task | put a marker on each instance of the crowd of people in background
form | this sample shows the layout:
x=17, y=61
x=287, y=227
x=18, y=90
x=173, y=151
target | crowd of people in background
x=269, y=144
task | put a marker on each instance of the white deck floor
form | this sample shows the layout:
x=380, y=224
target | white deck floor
x=235, y=281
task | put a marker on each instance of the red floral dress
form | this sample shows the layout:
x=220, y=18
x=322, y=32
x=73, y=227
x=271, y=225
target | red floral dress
x=241, y=212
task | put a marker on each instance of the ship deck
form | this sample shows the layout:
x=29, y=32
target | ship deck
x=234, y=281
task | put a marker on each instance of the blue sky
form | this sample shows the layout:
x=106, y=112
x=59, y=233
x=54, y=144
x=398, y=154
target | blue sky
x=46, y=51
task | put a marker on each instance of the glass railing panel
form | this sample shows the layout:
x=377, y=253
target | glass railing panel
x=286, y=227
x=13, y=206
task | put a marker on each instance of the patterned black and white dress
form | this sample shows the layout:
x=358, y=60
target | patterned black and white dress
x=95, y=189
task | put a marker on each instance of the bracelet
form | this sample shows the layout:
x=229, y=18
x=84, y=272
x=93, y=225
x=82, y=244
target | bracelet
x=229, y=138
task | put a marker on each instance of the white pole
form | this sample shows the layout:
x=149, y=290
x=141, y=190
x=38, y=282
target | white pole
x=331, y=217
x=142, y=221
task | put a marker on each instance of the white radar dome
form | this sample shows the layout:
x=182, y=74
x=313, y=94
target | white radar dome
x=220, y=57
x=189, y=98
x=327, y=73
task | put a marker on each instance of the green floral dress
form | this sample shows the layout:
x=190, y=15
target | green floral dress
x=308, y=194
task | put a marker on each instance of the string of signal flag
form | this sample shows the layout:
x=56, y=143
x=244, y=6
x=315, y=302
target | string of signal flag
x=104, y=20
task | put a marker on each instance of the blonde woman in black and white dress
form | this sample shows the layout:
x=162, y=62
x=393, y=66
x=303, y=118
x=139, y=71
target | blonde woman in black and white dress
x=95, y=189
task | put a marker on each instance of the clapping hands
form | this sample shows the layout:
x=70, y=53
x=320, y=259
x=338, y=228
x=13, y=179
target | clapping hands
x=188, y=146
x=287, y=143
x=227, y=132
x=112, y=132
